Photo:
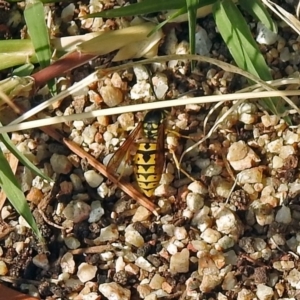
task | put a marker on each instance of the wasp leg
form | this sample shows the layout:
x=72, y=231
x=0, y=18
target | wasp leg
x=185, y=172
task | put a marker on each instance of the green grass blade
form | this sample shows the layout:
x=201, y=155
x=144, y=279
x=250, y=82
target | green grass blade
x=145, y=7
x=16, y=52
x=35, y=20
x=192, y=6
x=4, y=138
x=11, y=188
x=259, y=12
x=24, y=70
x=236, y=34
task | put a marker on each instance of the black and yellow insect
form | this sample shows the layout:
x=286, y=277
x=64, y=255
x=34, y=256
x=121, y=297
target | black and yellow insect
x=149, y=159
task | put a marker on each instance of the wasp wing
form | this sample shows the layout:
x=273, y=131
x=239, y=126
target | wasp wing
x=160, y=154
x=123, y=152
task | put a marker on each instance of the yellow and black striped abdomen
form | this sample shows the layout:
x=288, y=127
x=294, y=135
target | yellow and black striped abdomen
x=146, y=170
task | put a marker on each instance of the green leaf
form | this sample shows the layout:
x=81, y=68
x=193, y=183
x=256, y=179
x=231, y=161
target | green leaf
x=192, y=6
x=16, y=52
x=238, y=38
x=38, y=31
x=11, y=188
x=259, y=12
x=24, y=70
x=145, y=7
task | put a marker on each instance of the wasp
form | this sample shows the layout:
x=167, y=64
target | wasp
x=149, y=159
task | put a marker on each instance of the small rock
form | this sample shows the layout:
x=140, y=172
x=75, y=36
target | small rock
x=141, y=214
x=141, y=73
x=88, y=134
x=265, y=35
x=197, y=188
x=77, y=183
x=241, y=156
x=111, y=95
x=203, y=43
x=142, y=263
x=97, y=212
x=60, y=164
x=245, y=294
x=194, y=201
x=3, y=268
x=253, y=175
x=269, y=120
x=156, y=282
x=93, y=179
x=35, y=196
x=71, y=242
x=144, y=290
x=77, y=211
x=86, y=272
x=275, y=146
x=228, y=223
x=67, y=263
x=126, y=121
x=179, y=262
x=41, y=261
x=284, y=215
x=160, y=83
x=210, y=236
x=209, y=282
x=109, y=234
x=180, y=233
x=264, y=292
x=293, y=278
x=134, y=238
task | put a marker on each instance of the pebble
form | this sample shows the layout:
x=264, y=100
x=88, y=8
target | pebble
x=86, y=272
x=35, y=196
x=77, y=211
x=67, y=263
x=156, y=282
x=93, y=179
x=126, y=121
x=179, y=262
x=111, y=95
x=25, y=178
x=160, y=83
x=141, y=214
x=275, y=146
x=141, y=73
x=60, y=164
x=209, y=282
x=144, y=290
x=194, y=201
x=168, y=229
x=277, y=162
x=293, y=278
x=96, y=213
x=3, y=268
x=210, y=235
x=108, y=234
x=134, y=238
x=77, y=183
x=180, y=233
x=228, y=223
x=41, y=261
x=197, y=188
x=241, y=156
x=229, y=281
x=142, y=263
x=284, y=215
x=71, y=242
x=264, y=292
x=245, y=294
x=88, y=134
x=253, y=175
x=265, y=35
x=140, y=90
x=202, y=41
